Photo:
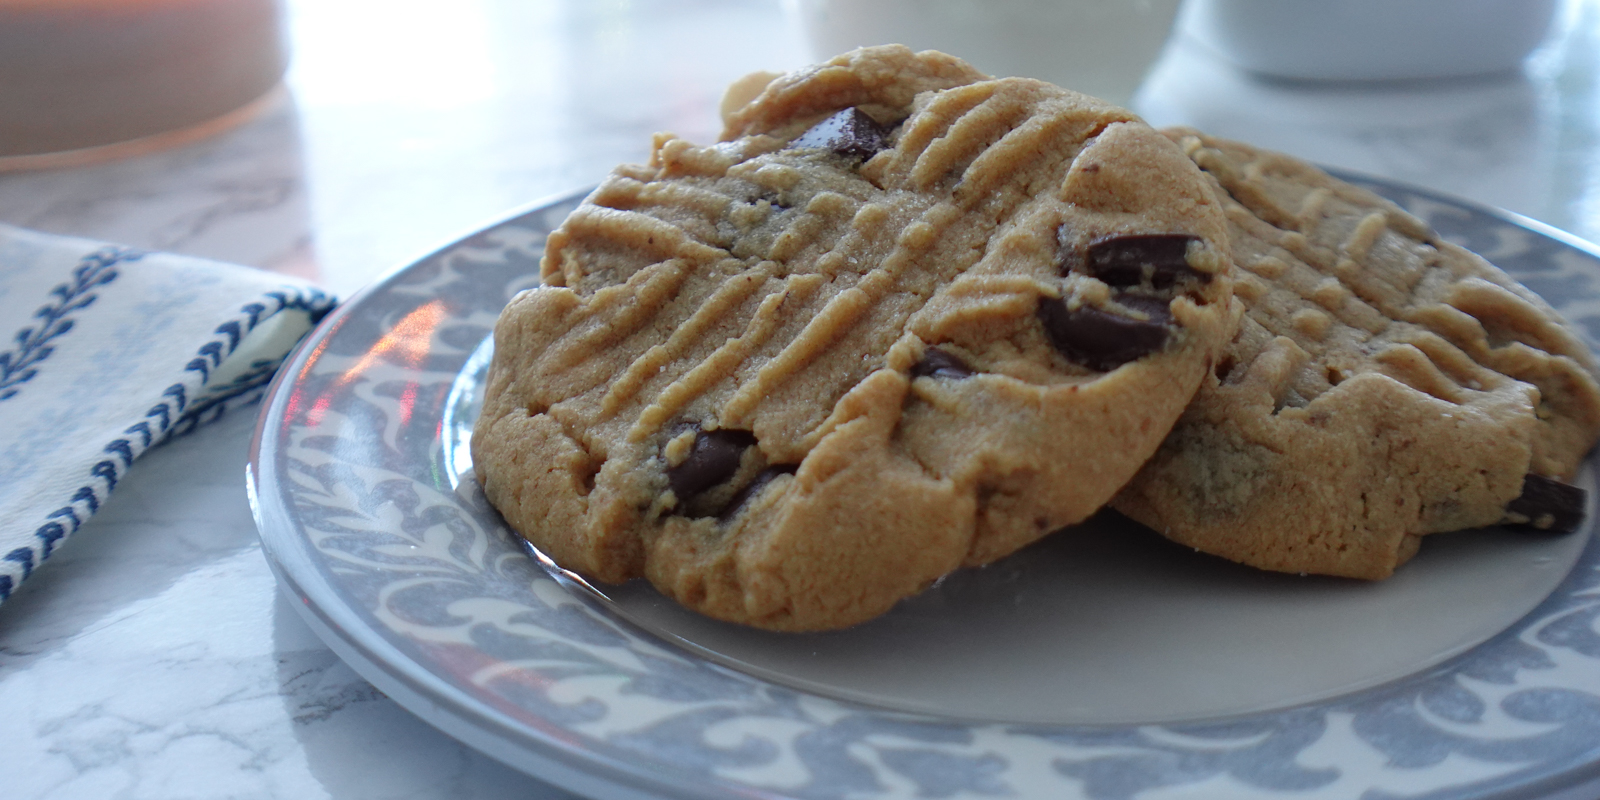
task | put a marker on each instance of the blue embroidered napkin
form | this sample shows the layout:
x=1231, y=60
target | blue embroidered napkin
x=113, y=350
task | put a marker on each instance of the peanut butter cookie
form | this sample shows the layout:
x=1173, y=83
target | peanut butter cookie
x=902, y=319
x=1383, y=385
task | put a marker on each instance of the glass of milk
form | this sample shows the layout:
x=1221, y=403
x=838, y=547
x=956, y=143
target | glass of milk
x=85, y=79
x=1098, y=47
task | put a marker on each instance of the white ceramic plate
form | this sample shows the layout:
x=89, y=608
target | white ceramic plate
x=1101, y=663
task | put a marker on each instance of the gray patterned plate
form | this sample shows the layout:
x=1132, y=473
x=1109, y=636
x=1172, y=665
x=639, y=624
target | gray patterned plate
x=1104, y=663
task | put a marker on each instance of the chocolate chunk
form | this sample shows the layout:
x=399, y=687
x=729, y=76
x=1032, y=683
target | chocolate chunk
x=1102, y=340
x=1547, y=504
x=849, y=133
x=754, y=488
x=713, y=460
x=1133, y=259
x=937, y=363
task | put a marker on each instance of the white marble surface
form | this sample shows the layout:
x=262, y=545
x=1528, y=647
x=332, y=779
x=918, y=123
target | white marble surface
x=152, y=657
x=155, y=658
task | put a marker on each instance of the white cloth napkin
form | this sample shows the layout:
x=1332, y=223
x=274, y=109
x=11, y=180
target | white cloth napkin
x=109, y=351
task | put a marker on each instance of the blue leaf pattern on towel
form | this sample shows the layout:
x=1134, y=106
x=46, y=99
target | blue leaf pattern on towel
x=33, y=344
x=176, y=413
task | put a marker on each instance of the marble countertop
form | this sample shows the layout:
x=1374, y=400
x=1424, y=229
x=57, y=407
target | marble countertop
x=155, y=658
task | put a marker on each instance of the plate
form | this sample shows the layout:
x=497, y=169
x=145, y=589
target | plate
x=1104, y=663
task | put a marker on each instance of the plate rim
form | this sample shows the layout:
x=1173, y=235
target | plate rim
x=465, y=718
x=505, y=739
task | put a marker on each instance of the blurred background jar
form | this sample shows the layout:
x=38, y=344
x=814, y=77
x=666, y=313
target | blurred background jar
x=86, y=79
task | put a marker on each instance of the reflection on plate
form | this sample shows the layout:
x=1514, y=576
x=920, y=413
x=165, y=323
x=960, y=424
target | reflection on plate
x=1109, y=623
x=1105, y=663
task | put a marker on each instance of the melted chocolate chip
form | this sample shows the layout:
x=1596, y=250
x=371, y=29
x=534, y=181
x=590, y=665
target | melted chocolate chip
x=713, y=460
x=849, y=133
x=1102, y=340
x=1548, y=505
x=1131, y=260
x=937, y=363
x=754, y=488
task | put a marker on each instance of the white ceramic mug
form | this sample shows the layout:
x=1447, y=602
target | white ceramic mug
x=1099, y=47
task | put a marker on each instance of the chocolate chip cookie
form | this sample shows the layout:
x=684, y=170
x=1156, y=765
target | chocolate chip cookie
x=1383, y=385
x=902, y=319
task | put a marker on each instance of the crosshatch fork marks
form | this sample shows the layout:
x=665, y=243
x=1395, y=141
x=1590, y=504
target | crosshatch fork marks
x=864, y=251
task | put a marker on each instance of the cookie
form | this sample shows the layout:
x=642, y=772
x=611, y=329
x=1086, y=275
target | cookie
x=902, y=319
x=1383, y=385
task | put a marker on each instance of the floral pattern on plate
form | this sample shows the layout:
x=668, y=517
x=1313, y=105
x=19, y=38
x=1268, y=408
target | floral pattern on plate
x=362, y=490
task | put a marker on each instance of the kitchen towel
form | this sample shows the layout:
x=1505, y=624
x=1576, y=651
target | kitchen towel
x=111, y=351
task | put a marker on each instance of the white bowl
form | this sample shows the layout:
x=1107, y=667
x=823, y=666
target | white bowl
x=1371, y=39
